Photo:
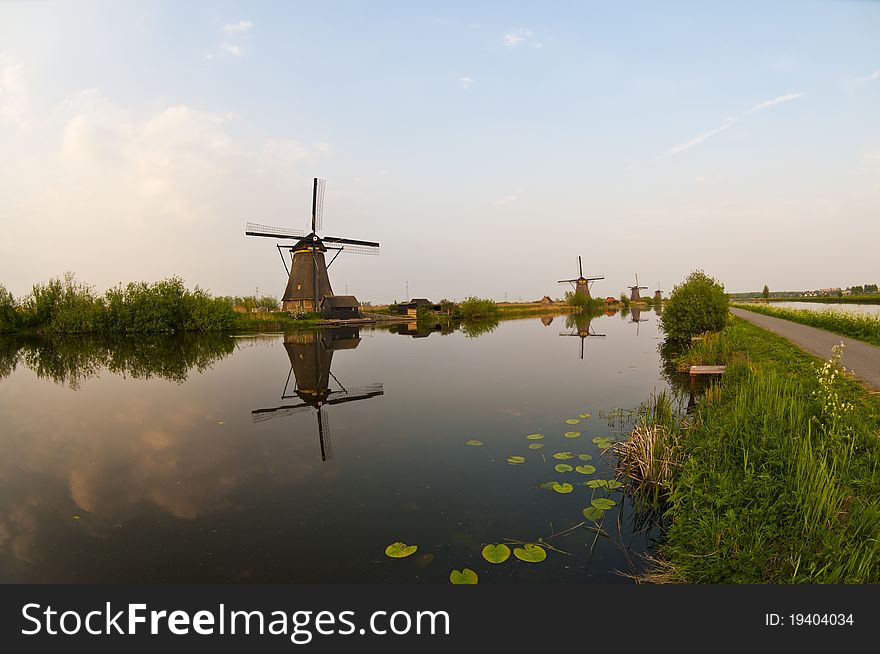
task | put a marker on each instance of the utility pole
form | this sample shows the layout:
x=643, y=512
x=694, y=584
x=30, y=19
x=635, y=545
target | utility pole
x=407, y=290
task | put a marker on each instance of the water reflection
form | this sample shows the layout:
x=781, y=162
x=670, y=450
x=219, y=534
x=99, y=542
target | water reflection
x=311, y=354
x=636, y=317
x=422, y=329
x=579, y=323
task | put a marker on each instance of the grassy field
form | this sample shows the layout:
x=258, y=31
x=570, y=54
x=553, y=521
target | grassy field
x=861, y=327
x=773, y=478
x=874, y=298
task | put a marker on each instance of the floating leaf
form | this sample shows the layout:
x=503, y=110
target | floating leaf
x=399, y=550
x=516, y=460
x=535, y=437
x=586, y=415
x=562, y=488
x=572, y=434
x=592, y=513
x=562, y=456
x=603, y=503
x=599, y=439
x=585, y=457
x=76, y=517
x=466, y=576
x=496, y=553
x=596, y=483
x=530, y=553
x=548, y=485
x=536, y=446
x=475, y=443
x=572, y=421
x=613, y=483
x=586, y=470
x=563, y=467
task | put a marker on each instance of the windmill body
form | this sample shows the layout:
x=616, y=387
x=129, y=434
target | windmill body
x=308, y=281
x=581, y=284
x=634, y=295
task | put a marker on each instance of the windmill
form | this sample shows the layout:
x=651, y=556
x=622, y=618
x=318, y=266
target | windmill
x=634, y=291
x=308, y=281
x=658, y=294
x=581, y=284
x=636, y=317
x=579, y=323
x=311, y=354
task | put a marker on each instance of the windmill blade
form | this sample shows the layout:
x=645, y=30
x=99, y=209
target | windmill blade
x=580, y=267
x=349, y=241
x=324, y=436
x=592, y=279
x=637, y=279
x=318, y=204
x=255, y=229
x=566, y=281
x=261, y=415
x=354, y=394
x=359, y=249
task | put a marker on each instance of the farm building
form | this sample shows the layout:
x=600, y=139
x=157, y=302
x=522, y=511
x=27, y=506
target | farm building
x=340, y=307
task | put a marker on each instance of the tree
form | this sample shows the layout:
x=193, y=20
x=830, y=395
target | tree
x=697, y=305
x=766, y=292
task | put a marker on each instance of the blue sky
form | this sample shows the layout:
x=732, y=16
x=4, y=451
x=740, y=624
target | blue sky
x=485, y=145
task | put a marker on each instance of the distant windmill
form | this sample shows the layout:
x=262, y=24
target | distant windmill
x=580, y=322
x=311, y=354
x=580, y=284
x=634, y=295
x=658, y=294
x=308, y=281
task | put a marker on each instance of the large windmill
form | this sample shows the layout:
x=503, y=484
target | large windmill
x=579, y=323
x=311, y=354
x=634, y=295
x=580, y=284
x=308, y=281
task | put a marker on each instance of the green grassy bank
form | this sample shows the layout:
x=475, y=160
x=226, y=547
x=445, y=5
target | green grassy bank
x=861, y=327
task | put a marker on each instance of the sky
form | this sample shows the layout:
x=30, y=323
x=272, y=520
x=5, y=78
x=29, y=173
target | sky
x=485, y=145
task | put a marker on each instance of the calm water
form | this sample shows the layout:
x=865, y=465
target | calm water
x=869, y=309
x=206, y=459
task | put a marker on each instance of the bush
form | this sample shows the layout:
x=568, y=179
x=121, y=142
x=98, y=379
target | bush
x=474, y=307
x=8, y=313
x=697, y=305
x=582, y=302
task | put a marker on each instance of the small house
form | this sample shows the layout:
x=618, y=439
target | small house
x=340, y=307
x=610, y=300
x=546, y=301
x=412, y=307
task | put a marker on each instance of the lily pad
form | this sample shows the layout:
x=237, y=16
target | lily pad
x=586, y=470
x=536, y=446
x=563, y=467
x=535, y=437
x=572, y=421
x=562, y=488
x=530, y=553
x=466, y=576
x=562, y=456
x=603, y=503
x=75, y=517
x=475, y=443
x=496, y=553
x=399, y=550
x=586, y=415
x=585, y=457
x=596, y=483
x=572, y=434
x=613, y=483
x=516, y=460
x=592, y=513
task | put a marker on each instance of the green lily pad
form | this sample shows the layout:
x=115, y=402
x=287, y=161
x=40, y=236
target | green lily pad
x=399, y=550
x=562, y=488
x=572, y=434
x=562, y=456
x=585, y=457
x=613, y=483
x=536, y=446
x=535, y=437
x=596, y=483
x=530, y=553
x=563, y=467
x=466, y=576
x=496, y=553
x=75, y=517
x=592, y=513
x=548, y=485
x=572, y=421
x=603, y=503
x=586, y=470
x=586, y=415
x=475, y=443
x=516, y=460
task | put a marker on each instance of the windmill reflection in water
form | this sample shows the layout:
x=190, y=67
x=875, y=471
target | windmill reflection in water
x=311, y=354
x=579, y=323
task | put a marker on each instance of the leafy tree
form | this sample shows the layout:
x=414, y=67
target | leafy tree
x=8, y=314
x=697, y=305
x=766, y=292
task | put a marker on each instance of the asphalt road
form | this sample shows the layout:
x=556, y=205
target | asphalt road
x=861, y=358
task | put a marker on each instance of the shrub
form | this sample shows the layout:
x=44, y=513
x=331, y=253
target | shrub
x=474, y=307
x=8, y=313
x=697, y=305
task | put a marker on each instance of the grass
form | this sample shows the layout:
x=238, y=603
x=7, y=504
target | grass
x=774, y=477
x=861, y=327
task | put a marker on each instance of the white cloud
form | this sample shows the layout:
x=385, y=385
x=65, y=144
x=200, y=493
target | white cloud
x=869, y=78
x=506, y=200
x=466, y=82
x=675, y=149
x=240, y=26
x=514, y=38
x=769, y=103
x=234, y=50
x=13, y=96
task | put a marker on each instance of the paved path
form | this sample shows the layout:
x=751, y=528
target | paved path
x=862, y=358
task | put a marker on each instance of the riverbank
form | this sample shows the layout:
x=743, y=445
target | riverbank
x=862, y=327
x=774, y=477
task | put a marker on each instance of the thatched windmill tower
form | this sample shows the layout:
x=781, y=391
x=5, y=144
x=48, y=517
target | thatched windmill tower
x=658, y=294
x=580, y=284
x=311, y=354
x=634, y=295
x=308, y=281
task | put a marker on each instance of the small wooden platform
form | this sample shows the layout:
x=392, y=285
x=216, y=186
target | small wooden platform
x=707, y=370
